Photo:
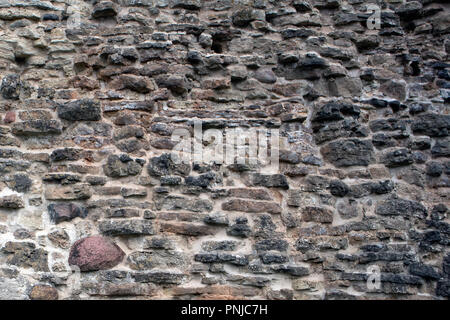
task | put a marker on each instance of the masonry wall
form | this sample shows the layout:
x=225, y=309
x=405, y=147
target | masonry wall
x=92, y=91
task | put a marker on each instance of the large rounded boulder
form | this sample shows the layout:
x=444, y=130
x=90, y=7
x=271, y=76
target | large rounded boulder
x=95, y=253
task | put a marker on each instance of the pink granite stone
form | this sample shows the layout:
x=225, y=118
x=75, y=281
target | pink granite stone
x=10, y=117
x=95, y=253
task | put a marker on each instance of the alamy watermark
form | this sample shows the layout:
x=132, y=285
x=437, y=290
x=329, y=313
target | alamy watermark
x=374, y=20
x=374, y=278
x=253, y=147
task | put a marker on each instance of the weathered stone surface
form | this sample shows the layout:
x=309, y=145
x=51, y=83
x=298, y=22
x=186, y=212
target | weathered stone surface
x=36, y=127
x=256, y=194
x=182, y=203
x=289, y=157
x=20, y=183
x=434, y=168
x=401, y=207
x=240, y=228
x=165, y=165
x=43, y=292
x=225, y=245
x=95, y=253
x=176, y=84
x=147, y=260
x=10, y=87
x=127, y=227
x=424, y=271
x=159, y=277
x=265, y=76
x=188, y=229
x=338, y=188
x=432, y=124
x=71, y=192
x=25, y=255
x=321, y=243
x=133, y=83
x=271, y=244
x=251, y=206
x=443, y=288
x=221, y=258
x=441, y=149
x=60, y=212
x=121, y=166
x=186, y=4
x=217, y=219
x=11, y=202
x=59, y=238
x=104, y=9
x=66, y=154
x=244, y=16
x=80, y=110
x=397, y=158
x=317, y=214
x=204, y=180
x=334, y=111
x=348, y=152
x=393, y=89
x=122, y=213
x=270, y=181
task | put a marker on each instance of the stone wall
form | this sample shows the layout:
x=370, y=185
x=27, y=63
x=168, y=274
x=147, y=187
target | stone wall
x=91, y=92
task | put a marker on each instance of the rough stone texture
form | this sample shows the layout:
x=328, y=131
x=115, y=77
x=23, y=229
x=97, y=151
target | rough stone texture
x=91, y=106
x=43, y=292
x=95, y=253
x=80, y=110
x=60, y=212
x=12, y=202
x=25, y=255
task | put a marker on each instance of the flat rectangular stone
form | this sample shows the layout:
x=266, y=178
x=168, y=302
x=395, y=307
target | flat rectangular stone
x=72, y=192
x=126, y=227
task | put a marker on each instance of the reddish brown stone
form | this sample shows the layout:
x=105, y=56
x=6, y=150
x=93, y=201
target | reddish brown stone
x=95, y=253
x=10, y=117
x=257, y=194
x=43, y=292
x=85, y=83
x=251, y=206
x=317, y=214
x=188, y=229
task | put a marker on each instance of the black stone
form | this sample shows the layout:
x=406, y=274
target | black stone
x=271, y=244
x=240, y=228
x=221, y=258
x=167, y=165
x=434, y=168
x=204, y=180
x=10, y=87
x=66, y=154
x=441, y=149
x=432, y=124
x=104, y=9
x=401, y=207
x=338, y=188
x=80, y=110
x=382, y=187
x=397, y=158
x=424, y=271
x=349, y=152
x=20, y=183
x=443, y=288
